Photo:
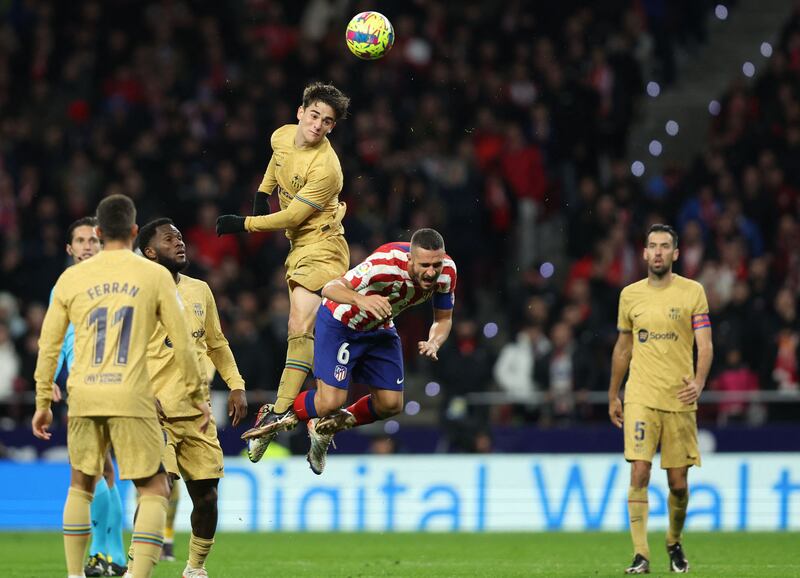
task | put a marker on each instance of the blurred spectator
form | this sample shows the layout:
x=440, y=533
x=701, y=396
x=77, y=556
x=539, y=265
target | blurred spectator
x=562, y=375
x=249, y=351
x=210, y=248
x=464, y=367
x=382, y=445
x=9, y=364
x=735, y=379
x=514, y=368
x=515, y=149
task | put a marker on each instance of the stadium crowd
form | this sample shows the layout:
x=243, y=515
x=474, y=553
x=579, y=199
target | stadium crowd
x=512, y=144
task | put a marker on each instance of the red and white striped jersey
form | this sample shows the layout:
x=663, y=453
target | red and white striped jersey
x=385, y=272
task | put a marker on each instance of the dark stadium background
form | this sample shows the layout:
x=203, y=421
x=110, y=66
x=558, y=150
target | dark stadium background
x=523, y=131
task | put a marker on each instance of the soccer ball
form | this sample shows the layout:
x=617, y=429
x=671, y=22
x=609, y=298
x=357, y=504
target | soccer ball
x=370, y=35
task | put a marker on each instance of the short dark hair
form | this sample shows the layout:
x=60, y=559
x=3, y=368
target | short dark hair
x=427, y=239
x=148, y=231
x=116, y=214
x=82, y=222
x=661, y=228
x=330, y=95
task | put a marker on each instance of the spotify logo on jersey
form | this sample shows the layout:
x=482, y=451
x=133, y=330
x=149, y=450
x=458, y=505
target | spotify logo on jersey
x=644, y=335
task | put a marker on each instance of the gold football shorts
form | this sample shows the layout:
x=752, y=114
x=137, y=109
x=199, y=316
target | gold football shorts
x=190, y=453
x=138, y=444
x=675, y=431
x=312, y=266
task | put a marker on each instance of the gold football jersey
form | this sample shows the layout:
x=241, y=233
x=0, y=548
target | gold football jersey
x=114, y=300
x=207, y=342
x=312, y=176
x=662, y=320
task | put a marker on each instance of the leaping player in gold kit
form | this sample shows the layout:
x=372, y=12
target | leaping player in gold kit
x=305, y=173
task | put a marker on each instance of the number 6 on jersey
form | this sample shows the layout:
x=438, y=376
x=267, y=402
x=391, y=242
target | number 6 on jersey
x=343, y=356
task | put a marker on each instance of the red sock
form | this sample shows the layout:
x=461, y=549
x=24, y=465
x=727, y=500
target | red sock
x=364, y=411
x=304, y=407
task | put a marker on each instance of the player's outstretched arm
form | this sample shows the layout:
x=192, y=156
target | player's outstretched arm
x=289, y=218
x=438, y=334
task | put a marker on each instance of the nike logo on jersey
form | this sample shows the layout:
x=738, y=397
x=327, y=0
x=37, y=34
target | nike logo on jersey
x=399, y=381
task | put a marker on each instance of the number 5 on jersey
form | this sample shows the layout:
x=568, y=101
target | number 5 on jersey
x=639, y=429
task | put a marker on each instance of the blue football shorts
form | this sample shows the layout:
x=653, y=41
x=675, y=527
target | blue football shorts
x=373, y=358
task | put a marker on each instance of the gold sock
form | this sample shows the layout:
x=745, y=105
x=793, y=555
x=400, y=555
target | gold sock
x=198, y=551
x=130, y=558
x=77, y=529
x=130, y=548
x=299, y=359
x=638, y=509
x=148, y=534
x=677, y=516
x=172, y=510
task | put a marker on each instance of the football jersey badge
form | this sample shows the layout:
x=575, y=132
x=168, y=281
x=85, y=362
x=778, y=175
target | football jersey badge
x=340, y=372
x=363, y=268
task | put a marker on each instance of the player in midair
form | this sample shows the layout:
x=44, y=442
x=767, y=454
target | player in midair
x=304, y=172
x=357, y=339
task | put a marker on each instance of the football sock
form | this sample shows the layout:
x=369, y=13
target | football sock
x=637, y=513
x=77, y=529
x=130, y=547
x=99, y=512
x=172, y=511
x=115, y=548
x=364, y=411
x=677, y=516
x=299, y=358
x=130, y=556
x=198, y=551
x=148, y=534
x=303, y=405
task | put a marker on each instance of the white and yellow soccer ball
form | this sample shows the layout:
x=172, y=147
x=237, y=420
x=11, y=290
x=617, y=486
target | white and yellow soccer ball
x=370, y=35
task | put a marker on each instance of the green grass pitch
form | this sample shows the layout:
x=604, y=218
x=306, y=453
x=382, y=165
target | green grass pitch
x=240, y=555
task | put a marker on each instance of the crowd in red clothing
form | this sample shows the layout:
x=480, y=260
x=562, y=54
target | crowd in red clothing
x=510, y=143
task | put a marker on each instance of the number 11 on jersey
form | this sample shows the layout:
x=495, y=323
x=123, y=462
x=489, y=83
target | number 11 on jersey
x=123, y=317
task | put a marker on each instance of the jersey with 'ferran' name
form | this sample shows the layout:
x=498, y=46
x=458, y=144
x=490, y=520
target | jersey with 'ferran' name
x=114, y=300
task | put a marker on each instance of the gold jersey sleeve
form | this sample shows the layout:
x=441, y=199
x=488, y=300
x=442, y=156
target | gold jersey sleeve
x=308, y=185
x=207, y=341
x=268, y=183
x=114, y=300
x=662, y=321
